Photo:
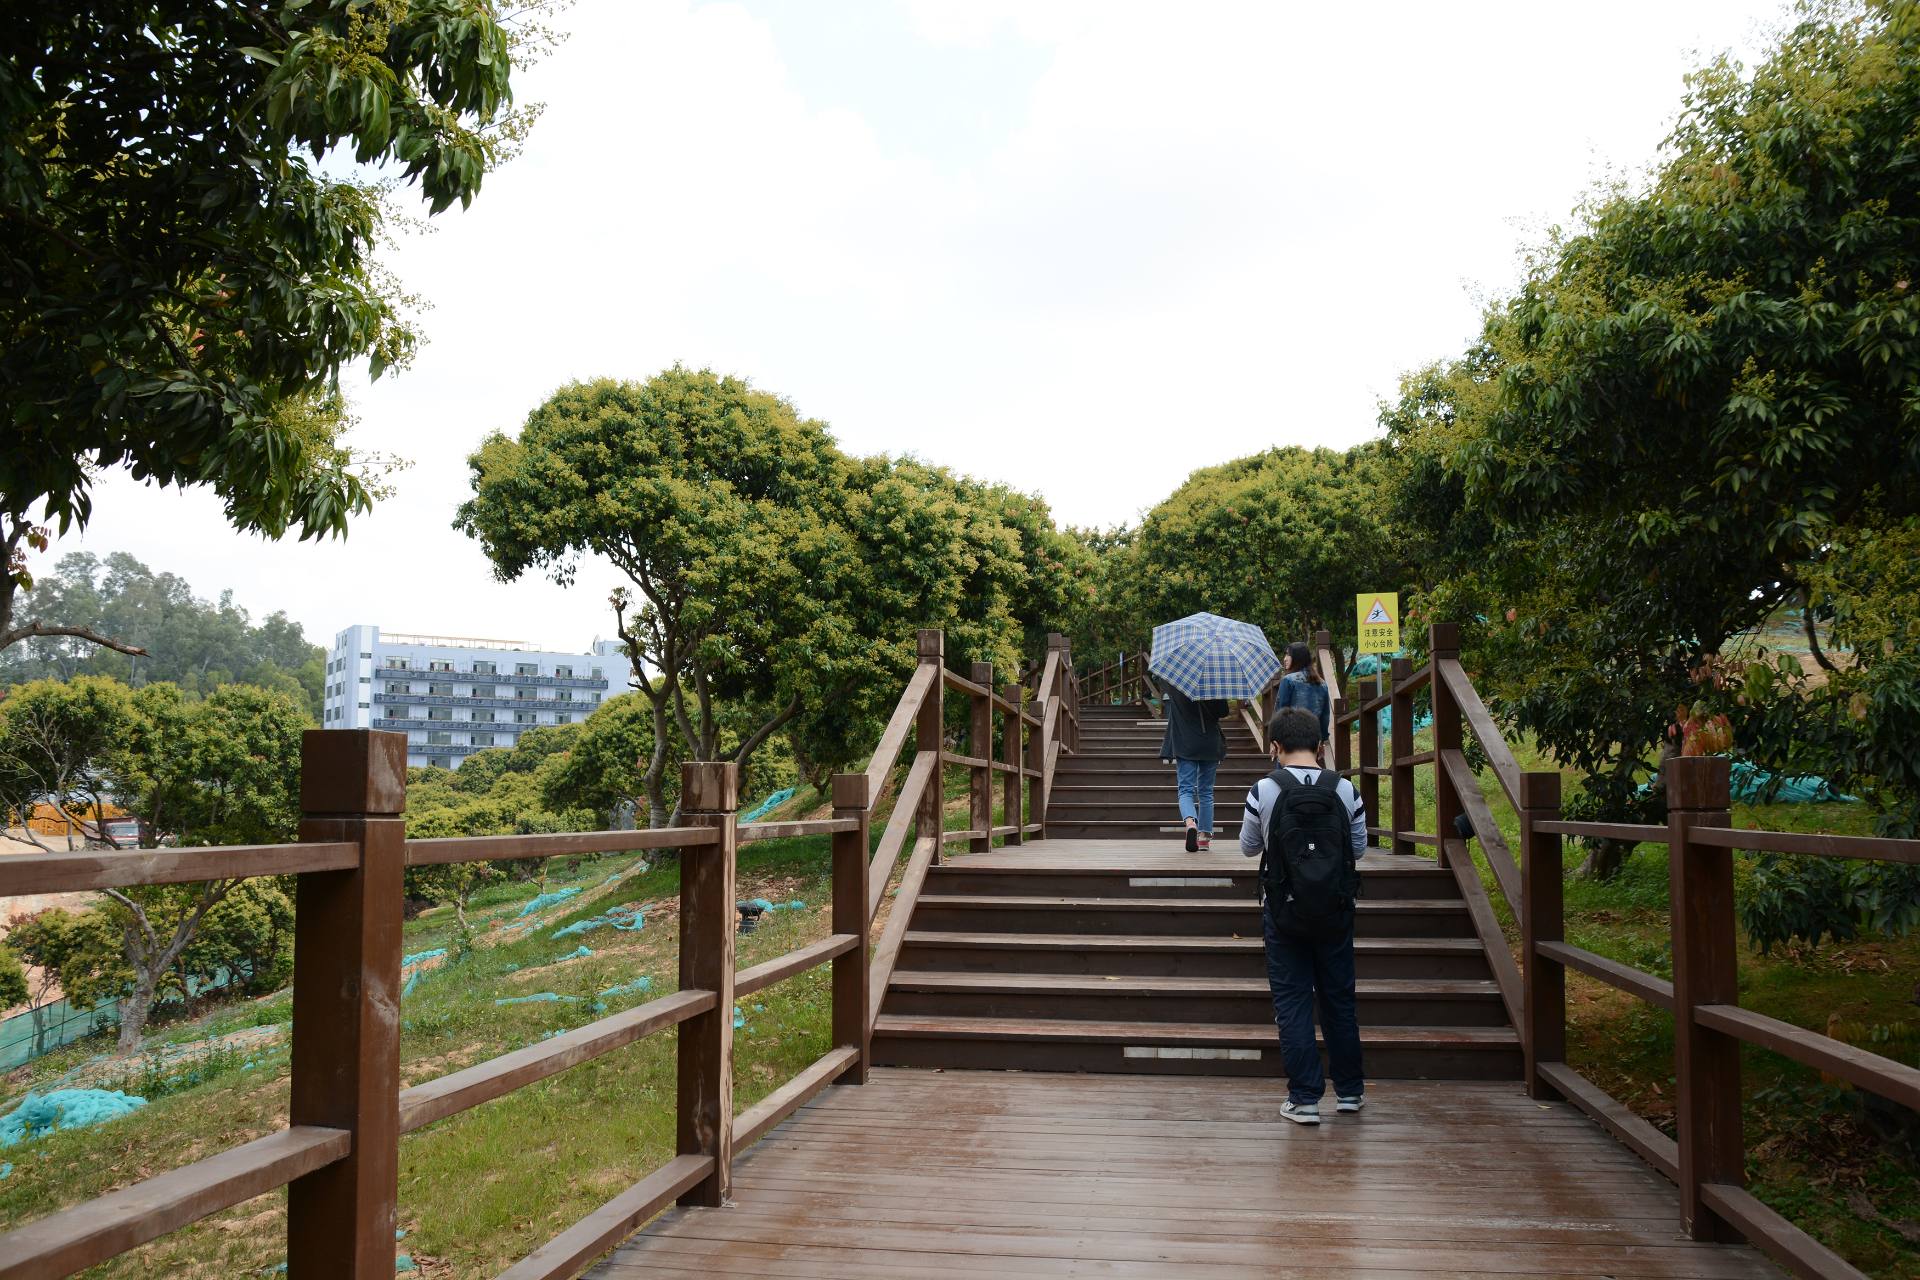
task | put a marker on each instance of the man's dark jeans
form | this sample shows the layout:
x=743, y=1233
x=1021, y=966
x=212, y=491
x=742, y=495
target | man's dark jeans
x=1298, y=969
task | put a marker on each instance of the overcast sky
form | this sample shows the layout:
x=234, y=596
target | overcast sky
x=1079, y=248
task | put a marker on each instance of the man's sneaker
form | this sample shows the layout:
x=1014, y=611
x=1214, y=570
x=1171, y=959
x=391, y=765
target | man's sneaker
x=1304, y=1113
x=1350, y=1104
x=1193, y=839
x=1206, y=843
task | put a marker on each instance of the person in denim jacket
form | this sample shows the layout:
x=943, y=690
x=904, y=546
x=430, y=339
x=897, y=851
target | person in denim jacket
x=1302, y=687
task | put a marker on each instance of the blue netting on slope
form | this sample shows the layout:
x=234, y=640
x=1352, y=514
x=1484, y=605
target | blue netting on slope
x=538, y=997
x=546, y=900
x=42, y=1113
x=416, y=962
x=767, y=806
x=1751, y=784
x=628, y=988
x=626, y=919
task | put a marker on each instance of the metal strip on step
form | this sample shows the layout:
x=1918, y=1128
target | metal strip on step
x=1172, y=1053
x=1179, y=882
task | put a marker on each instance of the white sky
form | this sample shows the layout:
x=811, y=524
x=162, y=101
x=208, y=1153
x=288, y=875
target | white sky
x=1082, y=248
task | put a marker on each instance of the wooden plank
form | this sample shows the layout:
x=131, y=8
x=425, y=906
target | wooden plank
x=906, y=808
x=1506, y=872
x=1655, y=991
x=1417, y=758
x=1487, y=926
x=1637, y=832
x=1813, y=843
x=763, y=1115
x=851, y=919
x=30, y=873
x=751, y=831
x=1645, y=1141
x=71, y=1240
x=1414, y=682
x=1485, y=731
x=954, y=680
x=424, y=853
x=457, y=1091
x=965, y=762
x=567, y=1253
x=887, y=953
x=780, y=968
x=1892, y=1080
x=905, y=714
x=1774, y=1236
x=968, y=834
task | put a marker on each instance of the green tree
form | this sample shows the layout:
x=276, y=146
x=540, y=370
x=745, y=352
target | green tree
x=1283, y=539
x=81, y=949
x=13, y=979
x=774, y=583
x=1695, y=408
x=59, y=745
x=182, y=280
x=182, y=639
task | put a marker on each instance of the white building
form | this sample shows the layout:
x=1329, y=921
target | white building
x=454, y=696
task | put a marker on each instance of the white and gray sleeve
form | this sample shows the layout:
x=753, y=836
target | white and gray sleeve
x=1253, y=820
x=1356, y=818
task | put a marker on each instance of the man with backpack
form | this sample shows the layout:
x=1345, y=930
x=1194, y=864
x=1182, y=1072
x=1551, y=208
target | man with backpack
x=1309, y=827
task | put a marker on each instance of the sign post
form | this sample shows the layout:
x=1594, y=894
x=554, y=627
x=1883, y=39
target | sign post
x=1377, y=624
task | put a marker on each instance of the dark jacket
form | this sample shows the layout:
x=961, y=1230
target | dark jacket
x=1297, y=691
x=1193, y=728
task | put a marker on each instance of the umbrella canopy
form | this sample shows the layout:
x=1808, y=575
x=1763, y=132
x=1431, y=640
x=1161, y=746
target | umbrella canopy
x=1205, y=655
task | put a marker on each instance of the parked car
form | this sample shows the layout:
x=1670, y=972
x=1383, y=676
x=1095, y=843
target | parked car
x=122, y=833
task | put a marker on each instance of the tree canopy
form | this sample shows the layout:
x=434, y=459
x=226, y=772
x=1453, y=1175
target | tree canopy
x=775, y=583
x=184, y=640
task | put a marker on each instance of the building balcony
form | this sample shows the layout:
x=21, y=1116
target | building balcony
x=455, y=726
x=494, y=704
x=469, y=677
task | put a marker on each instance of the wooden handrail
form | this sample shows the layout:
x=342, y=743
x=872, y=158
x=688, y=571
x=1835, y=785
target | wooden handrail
x=1636, y=832
x=1506, y=872
x=441, y=850
x=570, y=1251
x=1635, y=982
x=905, y=809
x=1485, y=731
x=1813, y=843
x=1486, y=926
x=887, y=952
x=901, y=724
x=1892, y=1080
x=752, y=831
x=746, y=982
x=74, y=1239
x=75, y=872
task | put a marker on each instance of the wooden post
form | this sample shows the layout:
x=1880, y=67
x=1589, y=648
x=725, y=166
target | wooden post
x=346, y=1004
x=930, y=734
x=1012, y=730
x=1543, y=1038
x=980, y=747
x=1443, y=645
x=709, y=797
x=851, y=799
x=1399, y=747
x=1705, y=971
x=1370, y=759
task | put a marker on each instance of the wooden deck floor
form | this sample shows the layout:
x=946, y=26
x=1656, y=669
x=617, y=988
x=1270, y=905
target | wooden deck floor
x=923, y=1173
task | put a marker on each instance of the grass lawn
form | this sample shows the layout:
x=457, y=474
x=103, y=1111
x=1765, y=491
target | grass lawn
x=1843, y=1167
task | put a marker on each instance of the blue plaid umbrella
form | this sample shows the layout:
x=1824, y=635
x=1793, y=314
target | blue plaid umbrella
x=1207, y=656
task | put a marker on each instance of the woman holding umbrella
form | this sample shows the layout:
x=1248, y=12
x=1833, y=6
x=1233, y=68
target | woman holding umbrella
x=1200, y=662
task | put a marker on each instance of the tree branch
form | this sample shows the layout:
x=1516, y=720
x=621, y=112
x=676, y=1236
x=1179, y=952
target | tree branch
x=39, y=628
x=1813, y=633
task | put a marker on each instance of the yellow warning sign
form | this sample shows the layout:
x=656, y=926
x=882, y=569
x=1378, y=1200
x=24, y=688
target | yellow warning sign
x=1378, y=615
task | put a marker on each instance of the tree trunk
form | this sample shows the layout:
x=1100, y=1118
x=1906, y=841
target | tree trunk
x=135, y=1007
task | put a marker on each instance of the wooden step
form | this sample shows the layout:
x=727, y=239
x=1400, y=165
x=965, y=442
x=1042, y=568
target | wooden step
x=1172, y=956
x=1383, y=1002
x=1002, y=913
x=1042, y=1044
x=1180, y=875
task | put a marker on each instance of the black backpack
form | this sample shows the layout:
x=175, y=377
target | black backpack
x=1307, y=870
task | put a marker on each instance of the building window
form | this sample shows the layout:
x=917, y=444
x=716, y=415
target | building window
x=396, y=664
x=483, y=717
x=526, y=693
x=599, y=674
x=366, y=657
x=440, y=690
x=484, y=691
x=526, y=668
x=363, y=706
x=366, y=679
x=395, y=686
x=525, y=717
x=439, y=739
x=481, y=668
x=563, y=718
x=482, y=739
x=565, y=673
x=439, y=713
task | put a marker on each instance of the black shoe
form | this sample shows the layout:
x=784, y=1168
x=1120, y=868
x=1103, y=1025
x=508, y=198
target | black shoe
x=1193, y=839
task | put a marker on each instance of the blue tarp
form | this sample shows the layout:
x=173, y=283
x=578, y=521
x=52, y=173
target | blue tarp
x=42, y=1113
x=767, y=806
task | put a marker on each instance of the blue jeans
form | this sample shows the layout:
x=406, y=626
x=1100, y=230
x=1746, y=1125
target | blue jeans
x=1196, y=791
x=1298, y=969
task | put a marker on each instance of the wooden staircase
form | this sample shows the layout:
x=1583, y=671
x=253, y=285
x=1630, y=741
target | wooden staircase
x=1128, y=954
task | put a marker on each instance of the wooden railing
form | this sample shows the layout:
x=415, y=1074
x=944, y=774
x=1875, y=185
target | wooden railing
x=1707, y=1160
x=1123, y=681
x=339, y=1155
